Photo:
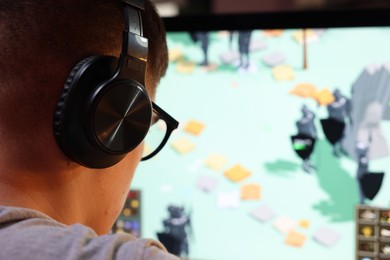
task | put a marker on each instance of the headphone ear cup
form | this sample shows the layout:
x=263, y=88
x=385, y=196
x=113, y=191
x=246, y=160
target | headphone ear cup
x=58, y=115
x=60, y=111
x=69, y=117
x=100, y=116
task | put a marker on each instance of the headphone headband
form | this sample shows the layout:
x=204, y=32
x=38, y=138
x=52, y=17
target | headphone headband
x=136, y=3
x=134, y=45
x=133, y=18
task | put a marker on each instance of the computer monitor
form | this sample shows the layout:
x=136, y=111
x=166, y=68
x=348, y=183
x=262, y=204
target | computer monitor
x=283, y=133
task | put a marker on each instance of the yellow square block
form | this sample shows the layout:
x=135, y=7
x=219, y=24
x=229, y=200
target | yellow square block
x=175, y=55
x=283, y=72
x=194, y=127
x=183, y=145
x=304, y=90
x=237, y=173
x=215, y=162
x=295, y=239
x=250, y=192
x=304, y=223
x=324, y=97
x=185, y=67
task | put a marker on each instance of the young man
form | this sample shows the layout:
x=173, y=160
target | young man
x=52, y=207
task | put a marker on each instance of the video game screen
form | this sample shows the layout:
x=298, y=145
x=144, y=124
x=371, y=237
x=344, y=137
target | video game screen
x=282, y=151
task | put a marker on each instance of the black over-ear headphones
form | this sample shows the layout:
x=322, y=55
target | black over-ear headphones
x=104, y=111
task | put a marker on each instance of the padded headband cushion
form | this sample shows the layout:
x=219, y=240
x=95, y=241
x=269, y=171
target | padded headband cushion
x=100, y=118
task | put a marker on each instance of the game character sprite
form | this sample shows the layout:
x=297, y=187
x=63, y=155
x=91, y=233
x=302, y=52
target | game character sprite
x=369, y=183
x=203, y=38
x=334, y=126
x=244, y=40
x=304, y=141
x=362, y=151
x=231, y=36
x=176, y=230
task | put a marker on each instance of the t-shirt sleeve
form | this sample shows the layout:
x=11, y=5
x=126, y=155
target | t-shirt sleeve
x=144, y=249
x=118, y=247
x=27, y=234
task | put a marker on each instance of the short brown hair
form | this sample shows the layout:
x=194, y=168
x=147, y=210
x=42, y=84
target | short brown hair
x=41, y=41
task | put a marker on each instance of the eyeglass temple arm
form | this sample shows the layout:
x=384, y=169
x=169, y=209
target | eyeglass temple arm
x=171, y=122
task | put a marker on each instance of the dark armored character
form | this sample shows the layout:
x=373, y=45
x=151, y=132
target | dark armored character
x=304, y=141
x=244, y=40
x=369, y=183
x=340, y=108
x=203, y=38
x=339, y=115
x=177, y=226
x=362, y=152
x=306, y=124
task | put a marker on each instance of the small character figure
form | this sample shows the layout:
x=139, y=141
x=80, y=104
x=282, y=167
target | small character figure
x=369, y=182
x=306, y=124
x=244, y=40
x=231, y=36
x=334, y=126
x=340, y=108
x=203, y=38
x=304, y=141
x=362, y=151
x=177, y=226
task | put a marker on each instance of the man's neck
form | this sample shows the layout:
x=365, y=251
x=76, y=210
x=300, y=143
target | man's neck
x=46, y=196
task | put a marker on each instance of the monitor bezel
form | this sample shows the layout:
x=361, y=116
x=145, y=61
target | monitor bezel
x=327, y=18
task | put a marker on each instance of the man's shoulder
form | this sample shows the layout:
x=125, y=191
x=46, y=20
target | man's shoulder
x=25, y=233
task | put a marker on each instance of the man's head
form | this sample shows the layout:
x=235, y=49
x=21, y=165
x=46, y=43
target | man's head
x=41, y=42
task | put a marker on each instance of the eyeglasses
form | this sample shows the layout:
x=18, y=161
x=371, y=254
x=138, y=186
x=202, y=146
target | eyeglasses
x=159, y=132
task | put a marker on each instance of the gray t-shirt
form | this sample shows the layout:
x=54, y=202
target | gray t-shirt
x=29, y=234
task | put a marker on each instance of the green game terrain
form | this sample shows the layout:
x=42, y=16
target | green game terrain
x=248, y=118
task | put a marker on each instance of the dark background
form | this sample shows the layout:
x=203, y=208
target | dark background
x=201, y=7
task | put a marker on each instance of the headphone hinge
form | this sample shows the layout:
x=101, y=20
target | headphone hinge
x=135, y=46
x=136, y=3
x=132, y=66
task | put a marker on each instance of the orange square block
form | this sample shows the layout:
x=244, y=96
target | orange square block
x=324, y=97
x=250, y=192
x=304, y=90
x=183, y=145
x=295, y=239
x=273, y=33
x=237, y=173
x=194, y=127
